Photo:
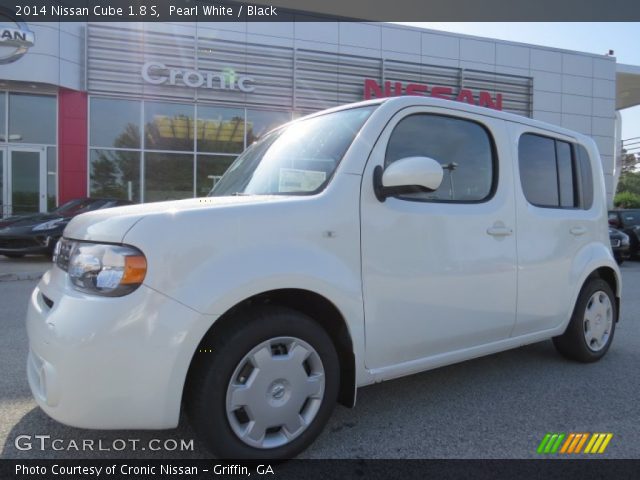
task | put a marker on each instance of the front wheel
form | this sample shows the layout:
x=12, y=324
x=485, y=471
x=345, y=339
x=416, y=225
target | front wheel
x=265, y=387
x=592, y=325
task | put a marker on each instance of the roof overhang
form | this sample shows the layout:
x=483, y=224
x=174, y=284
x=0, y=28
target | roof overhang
x=627, y=86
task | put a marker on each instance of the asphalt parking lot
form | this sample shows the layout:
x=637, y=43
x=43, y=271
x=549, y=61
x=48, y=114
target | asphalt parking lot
x=494, y=407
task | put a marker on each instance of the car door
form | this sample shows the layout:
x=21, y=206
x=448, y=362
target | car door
x=557, y=218
x=439, y=269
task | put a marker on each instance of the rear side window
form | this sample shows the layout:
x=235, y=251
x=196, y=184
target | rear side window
x=566, y=179
x=464, y=148
x=586, y=177
x=538, y=172
x=555, y=173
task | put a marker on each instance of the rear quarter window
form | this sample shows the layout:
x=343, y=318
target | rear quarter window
x=555, y=173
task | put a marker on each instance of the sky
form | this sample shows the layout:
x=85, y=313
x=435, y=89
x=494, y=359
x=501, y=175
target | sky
x=597, y=38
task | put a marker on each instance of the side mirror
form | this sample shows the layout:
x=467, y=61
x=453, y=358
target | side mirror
x=407, y=175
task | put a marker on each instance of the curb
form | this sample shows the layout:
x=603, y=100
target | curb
x=15, y=277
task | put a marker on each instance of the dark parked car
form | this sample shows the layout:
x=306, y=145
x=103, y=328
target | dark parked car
x=628, y=220
x=619, y=245
x=39, y=232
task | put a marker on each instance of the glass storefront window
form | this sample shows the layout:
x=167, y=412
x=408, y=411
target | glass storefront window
x=168, y=126
x=25, y=181
x=260, y=122
x=115, y=173
x=209, y=170
x=220, y=130
x=52, y=178
x=167, y=176
x=3, y=124
x=114, y=123
x=169, y=140
x=32, y=118
x=4, y=209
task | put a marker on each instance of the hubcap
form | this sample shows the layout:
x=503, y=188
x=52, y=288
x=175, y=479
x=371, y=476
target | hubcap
x=275, y=392
x=598, y=320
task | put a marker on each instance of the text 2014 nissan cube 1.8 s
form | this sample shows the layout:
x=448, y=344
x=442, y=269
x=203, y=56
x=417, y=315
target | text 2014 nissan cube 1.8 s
x=353, y=246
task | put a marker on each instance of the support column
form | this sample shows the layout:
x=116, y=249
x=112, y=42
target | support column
x=72, y=144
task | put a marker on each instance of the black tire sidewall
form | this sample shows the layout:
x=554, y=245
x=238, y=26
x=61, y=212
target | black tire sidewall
x=256, y=326
x=576, y=327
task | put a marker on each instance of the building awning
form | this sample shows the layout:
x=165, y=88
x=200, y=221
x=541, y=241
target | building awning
x=627, y=86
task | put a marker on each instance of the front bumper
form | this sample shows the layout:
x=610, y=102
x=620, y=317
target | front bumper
x=622, y=251
x=109, y=363
x=32, y=244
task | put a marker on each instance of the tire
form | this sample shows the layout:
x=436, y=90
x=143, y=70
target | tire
x=220, y=406
x=14, y=255
x=592, y=325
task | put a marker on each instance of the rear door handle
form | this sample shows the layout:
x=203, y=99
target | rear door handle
x=577, y=231
x=499, y=231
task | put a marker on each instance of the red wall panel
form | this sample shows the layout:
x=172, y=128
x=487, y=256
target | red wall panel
x=72, y=144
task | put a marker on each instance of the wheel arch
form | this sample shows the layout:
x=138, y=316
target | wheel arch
x=610, y=276
x=315, y=306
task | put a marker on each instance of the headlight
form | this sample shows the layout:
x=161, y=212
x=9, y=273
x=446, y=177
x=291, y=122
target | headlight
x=101, y=269
x=625, y=239
x=48, y=225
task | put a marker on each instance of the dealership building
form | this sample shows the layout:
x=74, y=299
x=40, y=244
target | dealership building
x=158, y=111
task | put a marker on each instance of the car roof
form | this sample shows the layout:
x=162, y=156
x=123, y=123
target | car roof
x=397, y=103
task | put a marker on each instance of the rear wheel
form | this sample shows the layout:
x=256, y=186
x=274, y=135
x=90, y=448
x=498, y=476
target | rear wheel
x=264, y=388
x=590, y=331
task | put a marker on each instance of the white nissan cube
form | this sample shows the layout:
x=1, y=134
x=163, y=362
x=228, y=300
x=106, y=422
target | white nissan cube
x=352, y=246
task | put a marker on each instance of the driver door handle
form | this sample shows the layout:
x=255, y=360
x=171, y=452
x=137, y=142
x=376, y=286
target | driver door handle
x=499, y=231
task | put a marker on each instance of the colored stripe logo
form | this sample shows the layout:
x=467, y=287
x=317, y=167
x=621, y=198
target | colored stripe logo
x=573, y=443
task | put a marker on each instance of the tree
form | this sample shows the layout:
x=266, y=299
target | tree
x=629, y=182
x=629, y=162
x=627, y=200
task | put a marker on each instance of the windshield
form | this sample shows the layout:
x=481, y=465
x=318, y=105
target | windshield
x=296, y=160
x=631, y=218
x=72, y=207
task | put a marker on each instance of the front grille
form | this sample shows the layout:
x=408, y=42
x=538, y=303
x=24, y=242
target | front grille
x=19, y=242
x=63, y=253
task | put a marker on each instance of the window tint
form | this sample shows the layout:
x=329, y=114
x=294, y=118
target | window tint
x=538, y=173
x=462, y=147
x=586, y=177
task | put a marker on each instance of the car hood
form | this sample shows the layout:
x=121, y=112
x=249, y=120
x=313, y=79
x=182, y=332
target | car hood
x=27, y=220
x=112, y=224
